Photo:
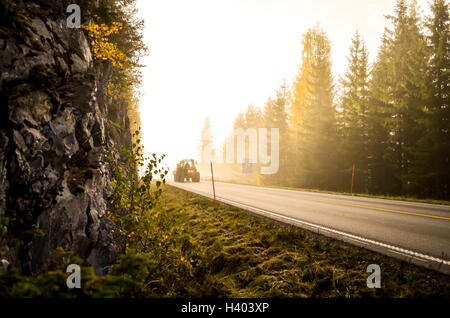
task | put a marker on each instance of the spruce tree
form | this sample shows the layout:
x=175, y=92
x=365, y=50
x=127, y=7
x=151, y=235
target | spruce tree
x=275, y=116
x=353, y=117
x=314, y=115
x=408, y=91
x=380, y=174
x=431, y=167
x=397, y=97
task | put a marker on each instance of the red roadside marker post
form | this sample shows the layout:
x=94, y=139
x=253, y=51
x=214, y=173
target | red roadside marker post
x=212, y=178
x=353, y=179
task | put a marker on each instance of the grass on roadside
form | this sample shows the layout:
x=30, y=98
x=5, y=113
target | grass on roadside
x=245, y=256
x=196, y=249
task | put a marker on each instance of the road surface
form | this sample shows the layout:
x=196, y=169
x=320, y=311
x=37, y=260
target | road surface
x=416, y=232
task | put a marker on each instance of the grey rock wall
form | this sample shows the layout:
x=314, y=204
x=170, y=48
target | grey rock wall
x=54, y=127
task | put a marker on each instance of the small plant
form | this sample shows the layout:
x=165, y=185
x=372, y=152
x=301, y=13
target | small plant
x=144, y=229
x=134, y=196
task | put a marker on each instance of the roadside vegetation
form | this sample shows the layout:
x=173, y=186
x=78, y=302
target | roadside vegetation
x=250, y=257
x=198, y=249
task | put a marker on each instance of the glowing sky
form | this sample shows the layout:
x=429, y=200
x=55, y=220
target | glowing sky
x=213, y=58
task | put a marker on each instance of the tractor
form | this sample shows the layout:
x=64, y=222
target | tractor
x=186, y=170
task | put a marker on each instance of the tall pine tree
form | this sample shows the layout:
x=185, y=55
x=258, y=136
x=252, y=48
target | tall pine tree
x=353, y=116
x=397, y=97
x=431, y=168
x=409, y=64
x=314, y=115
x=275, y=116
x=380, y=174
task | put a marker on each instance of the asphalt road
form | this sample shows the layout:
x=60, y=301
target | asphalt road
x=417, y=232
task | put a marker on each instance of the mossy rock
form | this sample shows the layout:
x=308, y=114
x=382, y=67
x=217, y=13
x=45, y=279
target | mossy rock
x=77, y=180
x=6, y=32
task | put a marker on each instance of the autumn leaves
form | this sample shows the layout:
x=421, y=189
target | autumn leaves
x=102, y=47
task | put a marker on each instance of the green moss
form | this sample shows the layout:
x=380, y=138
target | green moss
x=22, y=19
x=77, y=179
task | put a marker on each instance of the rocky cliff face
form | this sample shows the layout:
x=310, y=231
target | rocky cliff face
x=54, y=179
